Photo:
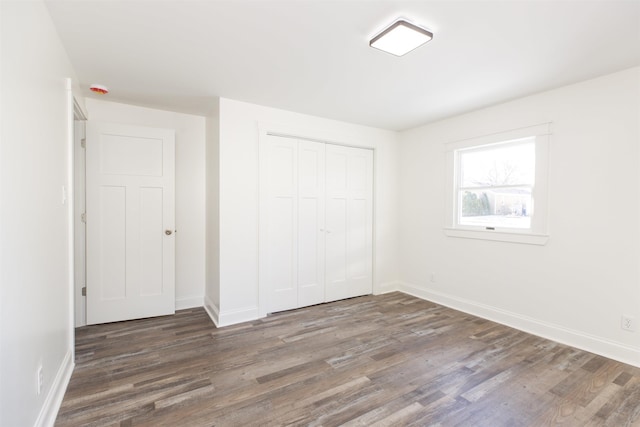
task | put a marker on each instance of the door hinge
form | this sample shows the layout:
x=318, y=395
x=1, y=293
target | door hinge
x=83, y=217
x=83, y=143
x=84, y=291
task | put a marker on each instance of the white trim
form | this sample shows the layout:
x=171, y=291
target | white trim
x=540, y=220
x=78, y=114
x=320, y=141
x=231, y=317
x=497, y=137
x=212, y=310
x=498, y=236
x=78, y=110
x=316, y=135
x=189, y=302
x=51, y=406
x=263, y=292
x=240, y=315
x=584, y=341
x=70, y=202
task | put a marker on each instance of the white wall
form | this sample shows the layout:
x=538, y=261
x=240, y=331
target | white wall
x=190, y=188
x=35, y=266
x=575, y=288
x=239, y=195
x=212, y=289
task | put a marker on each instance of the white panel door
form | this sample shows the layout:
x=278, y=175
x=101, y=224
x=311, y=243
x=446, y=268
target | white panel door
x=311, y=235
x=318, y=223
x=349, y=222
x=282, y=223
x=130, y=222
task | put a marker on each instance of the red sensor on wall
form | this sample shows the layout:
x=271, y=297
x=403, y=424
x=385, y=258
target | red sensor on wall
x=102, y=90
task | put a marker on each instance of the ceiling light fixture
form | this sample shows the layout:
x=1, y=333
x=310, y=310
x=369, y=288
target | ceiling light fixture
x=400, y=38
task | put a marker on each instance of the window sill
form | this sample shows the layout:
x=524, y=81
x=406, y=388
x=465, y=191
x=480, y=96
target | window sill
x=499, y=236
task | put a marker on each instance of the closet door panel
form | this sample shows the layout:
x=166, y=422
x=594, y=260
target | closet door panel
x=349, y=222
x=336, y=223
x=282, y=224
x=311, y=158
x=360, y=222
x=318, y=223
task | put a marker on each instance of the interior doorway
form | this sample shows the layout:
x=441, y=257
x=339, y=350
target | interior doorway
x=79, y=231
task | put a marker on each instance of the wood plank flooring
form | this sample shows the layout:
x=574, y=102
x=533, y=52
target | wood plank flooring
x=390, y=360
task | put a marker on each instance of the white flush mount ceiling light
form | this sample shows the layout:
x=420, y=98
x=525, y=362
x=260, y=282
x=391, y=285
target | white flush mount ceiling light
x=400, y=38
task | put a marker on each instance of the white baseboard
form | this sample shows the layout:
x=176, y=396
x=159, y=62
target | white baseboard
x=231, y=317
x=212, y=310
x=189, y=302
x=385, y=288
x=52, y=402
x=604, y=347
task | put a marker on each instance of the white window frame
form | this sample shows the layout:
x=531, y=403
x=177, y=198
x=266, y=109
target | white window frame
x=537, y=234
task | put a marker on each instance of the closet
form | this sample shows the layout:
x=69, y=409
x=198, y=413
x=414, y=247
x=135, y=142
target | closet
x=317, y=216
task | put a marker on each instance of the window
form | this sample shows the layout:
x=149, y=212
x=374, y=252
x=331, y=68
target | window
x=494, y=185
x=497, y=186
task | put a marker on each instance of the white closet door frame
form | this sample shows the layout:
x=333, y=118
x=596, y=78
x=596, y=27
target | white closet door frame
x=266, y=130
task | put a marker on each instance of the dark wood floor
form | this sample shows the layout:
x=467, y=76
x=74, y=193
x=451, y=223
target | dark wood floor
x=389, y=360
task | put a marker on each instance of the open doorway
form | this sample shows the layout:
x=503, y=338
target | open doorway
x=79, y=231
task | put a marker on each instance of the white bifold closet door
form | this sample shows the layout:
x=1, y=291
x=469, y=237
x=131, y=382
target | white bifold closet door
x=319, y=215
x=348, y=222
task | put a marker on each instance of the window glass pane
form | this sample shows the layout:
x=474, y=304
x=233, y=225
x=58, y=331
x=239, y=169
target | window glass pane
x=496, y=207
x=511, y=164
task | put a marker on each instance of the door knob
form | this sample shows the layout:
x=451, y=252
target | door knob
x=168, y=232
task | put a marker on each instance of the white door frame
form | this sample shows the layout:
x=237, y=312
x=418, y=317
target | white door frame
x=271, y=129
x=75, y=112
x=79, y=181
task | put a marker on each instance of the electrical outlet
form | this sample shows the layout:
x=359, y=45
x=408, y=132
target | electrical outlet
x=433, y=277
x=628, y=323
x=40, y=379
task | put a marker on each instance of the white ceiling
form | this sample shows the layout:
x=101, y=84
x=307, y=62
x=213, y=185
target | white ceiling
x=312, y=56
